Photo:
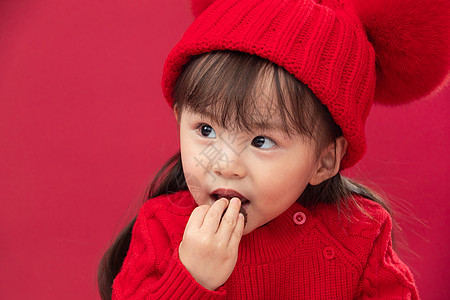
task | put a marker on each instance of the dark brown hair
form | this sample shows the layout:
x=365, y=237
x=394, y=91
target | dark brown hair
x=228, y=85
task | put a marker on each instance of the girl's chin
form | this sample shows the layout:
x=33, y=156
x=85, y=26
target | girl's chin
x=248, y=229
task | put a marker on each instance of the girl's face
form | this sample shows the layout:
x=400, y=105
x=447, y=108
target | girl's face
x=266, y=169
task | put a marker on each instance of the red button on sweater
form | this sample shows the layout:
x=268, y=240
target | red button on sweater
x=279, y=260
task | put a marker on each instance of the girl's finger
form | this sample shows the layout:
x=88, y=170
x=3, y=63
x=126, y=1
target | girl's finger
x=236, y=235
x=229, y=220
x=197, y=217
x=212, y=217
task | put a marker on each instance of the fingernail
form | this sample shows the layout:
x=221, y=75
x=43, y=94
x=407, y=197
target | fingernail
x=235, y=200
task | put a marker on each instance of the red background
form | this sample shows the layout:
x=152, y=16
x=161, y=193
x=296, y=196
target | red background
x=84, y=127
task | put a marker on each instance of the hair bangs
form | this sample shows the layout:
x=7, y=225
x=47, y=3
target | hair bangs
x=242, y=91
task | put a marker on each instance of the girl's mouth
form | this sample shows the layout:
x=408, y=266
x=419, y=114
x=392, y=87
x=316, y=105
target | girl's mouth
x=229, y=194
x=216, y=197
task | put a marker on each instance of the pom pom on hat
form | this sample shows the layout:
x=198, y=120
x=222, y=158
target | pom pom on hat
x=411, y=39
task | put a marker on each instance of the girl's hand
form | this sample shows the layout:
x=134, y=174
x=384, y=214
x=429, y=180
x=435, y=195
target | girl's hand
x=209, y=248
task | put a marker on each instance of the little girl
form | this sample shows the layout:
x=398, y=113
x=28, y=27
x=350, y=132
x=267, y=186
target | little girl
x=271, y=97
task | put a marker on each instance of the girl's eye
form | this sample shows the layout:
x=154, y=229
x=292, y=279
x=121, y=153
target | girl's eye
x=207, y=131
x=263, y=142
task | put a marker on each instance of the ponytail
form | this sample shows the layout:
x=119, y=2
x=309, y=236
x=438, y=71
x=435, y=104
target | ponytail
x=169, y=179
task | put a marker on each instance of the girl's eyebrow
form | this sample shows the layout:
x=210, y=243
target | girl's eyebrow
x=257, y=124
x=268, y=125
x=207, y=115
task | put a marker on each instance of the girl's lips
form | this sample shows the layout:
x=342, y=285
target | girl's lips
x=227, y=193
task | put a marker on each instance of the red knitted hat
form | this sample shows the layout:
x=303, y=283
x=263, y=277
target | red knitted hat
x=347, y=52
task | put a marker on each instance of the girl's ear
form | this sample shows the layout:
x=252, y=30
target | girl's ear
x=176, y=113
x=329, y=161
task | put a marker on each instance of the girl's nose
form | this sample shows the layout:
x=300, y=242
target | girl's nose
x=229, y=164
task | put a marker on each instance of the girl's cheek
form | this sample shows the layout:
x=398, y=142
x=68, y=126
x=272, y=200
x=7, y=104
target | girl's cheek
x=191, y=168
x=195, y=187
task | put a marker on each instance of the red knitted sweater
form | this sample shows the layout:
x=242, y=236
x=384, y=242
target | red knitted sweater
x=302, y=254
